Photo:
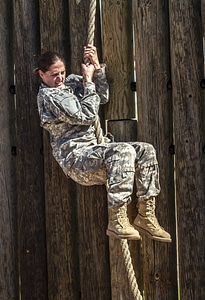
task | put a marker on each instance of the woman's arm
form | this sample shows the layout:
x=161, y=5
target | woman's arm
x=61, y=104
x=99, y=76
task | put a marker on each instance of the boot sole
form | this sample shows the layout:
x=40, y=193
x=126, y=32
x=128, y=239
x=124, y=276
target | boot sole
x=122, y=236
x=156, y=238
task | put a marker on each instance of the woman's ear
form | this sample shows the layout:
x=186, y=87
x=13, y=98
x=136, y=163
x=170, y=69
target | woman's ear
x=41, y=74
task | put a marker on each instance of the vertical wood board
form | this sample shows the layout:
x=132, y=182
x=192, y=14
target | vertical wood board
x=154, y=106
x=8, y=197
x=60, y=192
x=31, y=216
x=118, y=56
x=187, y=71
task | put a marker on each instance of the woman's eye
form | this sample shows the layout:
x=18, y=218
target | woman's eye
x=57, y=74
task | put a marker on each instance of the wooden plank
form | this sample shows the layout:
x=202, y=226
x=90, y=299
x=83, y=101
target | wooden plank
x=8, y=198
x=60, y=192
x=123, y=130
x=31, y=215
x=187, y=63
x=61, y=231
x=54, y=27
x=93, y=243
x=118, y=56
x=92, y=201
x=203, y=15
x=155, y=126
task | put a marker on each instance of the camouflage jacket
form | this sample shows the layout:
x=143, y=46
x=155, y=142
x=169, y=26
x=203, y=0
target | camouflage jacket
x=69, y=113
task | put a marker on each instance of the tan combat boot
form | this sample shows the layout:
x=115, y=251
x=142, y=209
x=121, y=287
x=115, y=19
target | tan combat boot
x=119, y=226
x=146, y=221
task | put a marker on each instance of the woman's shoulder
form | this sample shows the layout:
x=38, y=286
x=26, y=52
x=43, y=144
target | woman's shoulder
x=46, y=92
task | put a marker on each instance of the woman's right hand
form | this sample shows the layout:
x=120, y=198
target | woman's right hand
x=87, y=72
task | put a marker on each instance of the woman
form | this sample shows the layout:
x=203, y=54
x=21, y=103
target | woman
x=68, y=108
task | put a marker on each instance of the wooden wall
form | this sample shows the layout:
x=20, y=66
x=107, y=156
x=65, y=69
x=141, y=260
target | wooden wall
x=8, y=193
x=52, y=239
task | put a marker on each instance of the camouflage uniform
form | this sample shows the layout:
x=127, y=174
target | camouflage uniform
x=68, y=114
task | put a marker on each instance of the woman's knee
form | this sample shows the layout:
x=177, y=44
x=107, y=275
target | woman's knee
x=124, y=150
x=150, y=149
x=123, y=155
x=147, y=154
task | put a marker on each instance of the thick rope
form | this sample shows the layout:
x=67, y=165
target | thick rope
x=100, y=139
x=98, y=131
x=90, y=40
x=91, y=22
x=130, y=271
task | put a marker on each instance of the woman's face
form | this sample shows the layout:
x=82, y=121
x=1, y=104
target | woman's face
x=55, y=76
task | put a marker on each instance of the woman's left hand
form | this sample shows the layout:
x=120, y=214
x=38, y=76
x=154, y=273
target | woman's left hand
x=90, y=53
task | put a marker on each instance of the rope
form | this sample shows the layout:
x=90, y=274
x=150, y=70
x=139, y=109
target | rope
x=100, y=139
x=130, y=271
x=91, y=22
x=90, y=40
x=98, y=131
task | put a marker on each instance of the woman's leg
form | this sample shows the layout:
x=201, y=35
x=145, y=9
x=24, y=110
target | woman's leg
x=114, y=164
x=148, y=187
x=120, y=166
x=146, y=170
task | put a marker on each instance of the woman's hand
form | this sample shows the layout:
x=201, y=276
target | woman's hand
x=87, y=72
x=90, y=53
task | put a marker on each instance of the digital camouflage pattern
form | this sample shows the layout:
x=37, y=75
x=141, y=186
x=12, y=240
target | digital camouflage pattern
x=68, y=114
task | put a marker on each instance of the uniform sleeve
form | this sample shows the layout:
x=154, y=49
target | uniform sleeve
x=63, y=105
x=102, y=87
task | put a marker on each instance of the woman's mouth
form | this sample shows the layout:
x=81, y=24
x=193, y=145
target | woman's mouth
x=58, y=84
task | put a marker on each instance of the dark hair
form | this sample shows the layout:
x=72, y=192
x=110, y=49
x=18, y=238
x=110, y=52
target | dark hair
x=47, y=59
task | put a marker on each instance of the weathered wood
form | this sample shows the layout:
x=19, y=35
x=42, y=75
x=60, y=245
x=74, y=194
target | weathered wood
x=54, y=27
x=8, y=197
x=203, y=16
x=60, y=192
x=123, y=130
x=92, y=201
x=61, y=231
x=155, y=126
x=187, y=63
x=93, y=243
x=31, y=216
x=118, y=56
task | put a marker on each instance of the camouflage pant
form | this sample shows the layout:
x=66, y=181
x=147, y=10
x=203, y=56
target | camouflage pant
x=119, y=165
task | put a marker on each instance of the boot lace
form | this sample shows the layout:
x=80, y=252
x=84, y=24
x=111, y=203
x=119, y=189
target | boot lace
x=122, y=216
x=151, y=213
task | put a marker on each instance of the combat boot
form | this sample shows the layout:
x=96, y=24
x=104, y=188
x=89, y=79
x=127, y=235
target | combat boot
x=146, y=221
x=119, y=226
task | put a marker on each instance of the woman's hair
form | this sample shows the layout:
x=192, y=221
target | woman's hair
x=46, y=60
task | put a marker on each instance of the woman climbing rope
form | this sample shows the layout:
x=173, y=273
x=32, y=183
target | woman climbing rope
x=68, y=108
